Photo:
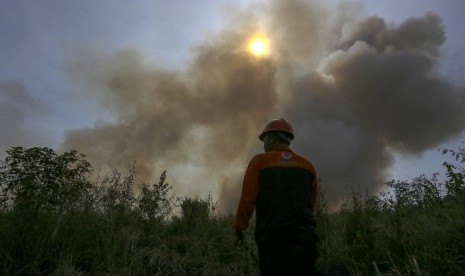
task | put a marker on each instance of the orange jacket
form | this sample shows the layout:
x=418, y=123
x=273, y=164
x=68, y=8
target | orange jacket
x=282, y=187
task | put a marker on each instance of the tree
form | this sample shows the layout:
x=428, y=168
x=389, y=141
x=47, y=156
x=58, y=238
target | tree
x=154, y=202
x=40, y=178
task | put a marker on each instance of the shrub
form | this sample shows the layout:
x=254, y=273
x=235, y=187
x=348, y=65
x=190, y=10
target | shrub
x=40, y=178
x=154, y=202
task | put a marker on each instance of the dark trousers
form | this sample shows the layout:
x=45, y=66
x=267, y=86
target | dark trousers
x=288, y=253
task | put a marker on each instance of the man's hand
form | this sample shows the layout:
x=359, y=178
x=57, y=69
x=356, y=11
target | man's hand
x=239, y=238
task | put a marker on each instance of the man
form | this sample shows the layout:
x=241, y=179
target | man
x=282, y=187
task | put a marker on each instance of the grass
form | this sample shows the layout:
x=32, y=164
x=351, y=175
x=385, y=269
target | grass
x=417, y=228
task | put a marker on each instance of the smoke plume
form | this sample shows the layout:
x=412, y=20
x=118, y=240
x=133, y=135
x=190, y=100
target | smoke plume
x=352, y=89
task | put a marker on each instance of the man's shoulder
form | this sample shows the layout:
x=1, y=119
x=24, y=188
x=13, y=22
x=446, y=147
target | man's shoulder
x=278, y=158
x=261, y=156
x=304, y=160
x=301, y=157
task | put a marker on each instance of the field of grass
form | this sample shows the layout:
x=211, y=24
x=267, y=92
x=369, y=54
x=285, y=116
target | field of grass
x=54, y=221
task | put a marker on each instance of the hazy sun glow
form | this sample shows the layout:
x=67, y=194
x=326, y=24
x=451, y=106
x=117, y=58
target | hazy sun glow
x=259, y=46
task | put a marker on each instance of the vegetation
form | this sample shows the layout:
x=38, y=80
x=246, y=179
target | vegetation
x=55, y=221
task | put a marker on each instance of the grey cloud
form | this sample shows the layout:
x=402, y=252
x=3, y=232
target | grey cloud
x=350, y=95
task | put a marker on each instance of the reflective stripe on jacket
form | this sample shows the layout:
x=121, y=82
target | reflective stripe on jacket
x=282, y=186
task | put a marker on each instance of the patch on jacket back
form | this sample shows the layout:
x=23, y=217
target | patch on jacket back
x=286, y=155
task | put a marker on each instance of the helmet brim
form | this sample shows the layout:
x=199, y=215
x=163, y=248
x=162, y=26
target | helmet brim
x=281, y=133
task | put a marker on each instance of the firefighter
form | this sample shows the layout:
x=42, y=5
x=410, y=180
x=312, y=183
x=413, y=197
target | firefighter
x=281, y=186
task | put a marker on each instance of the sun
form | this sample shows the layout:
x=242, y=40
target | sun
x=259, y=46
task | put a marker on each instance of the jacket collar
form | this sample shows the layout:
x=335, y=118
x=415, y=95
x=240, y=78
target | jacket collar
x=282, y=148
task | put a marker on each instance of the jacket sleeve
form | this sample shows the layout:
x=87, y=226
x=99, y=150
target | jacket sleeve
x=248, y=197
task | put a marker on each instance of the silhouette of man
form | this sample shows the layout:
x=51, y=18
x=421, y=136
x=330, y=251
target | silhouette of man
x=281, y=186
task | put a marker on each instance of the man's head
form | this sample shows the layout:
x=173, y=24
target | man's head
x=275, y=139
x=277, y=132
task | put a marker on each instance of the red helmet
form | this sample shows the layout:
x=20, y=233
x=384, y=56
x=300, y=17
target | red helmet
x=278, y=125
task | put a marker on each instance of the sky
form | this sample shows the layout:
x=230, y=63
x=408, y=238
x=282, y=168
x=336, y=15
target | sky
x=373, y=88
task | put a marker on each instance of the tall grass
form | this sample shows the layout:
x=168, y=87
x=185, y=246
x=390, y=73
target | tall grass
x=410, y=230
x=53, y=221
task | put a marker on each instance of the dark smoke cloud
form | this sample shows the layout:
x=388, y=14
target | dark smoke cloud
x=380, y=89
x=353, y=89
x=16, y=107
x=203, y=117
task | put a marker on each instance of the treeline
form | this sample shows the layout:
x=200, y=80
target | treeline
x=55, y=221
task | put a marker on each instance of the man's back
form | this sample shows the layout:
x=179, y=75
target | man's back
x=286, y=184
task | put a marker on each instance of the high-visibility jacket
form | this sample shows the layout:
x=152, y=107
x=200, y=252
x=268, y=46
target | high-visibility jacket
x=282, y=187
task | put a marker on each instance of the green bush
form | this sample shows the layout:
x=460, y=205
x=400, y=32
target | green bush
x=39, y=178
x=53, y=221
x=416, y=227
